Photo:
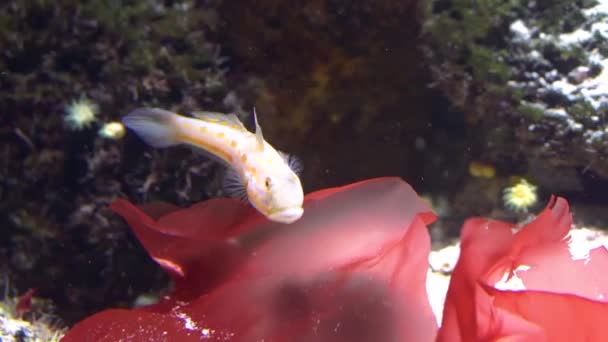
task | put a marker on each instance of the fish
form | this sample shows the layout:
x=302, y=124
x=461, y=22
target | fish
x=257, y=172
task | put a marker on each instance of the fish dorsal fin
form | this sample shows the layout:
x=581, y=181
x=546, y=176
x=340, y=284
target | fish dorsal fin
x=258, y=131
x=294, y=163
x=227, y=119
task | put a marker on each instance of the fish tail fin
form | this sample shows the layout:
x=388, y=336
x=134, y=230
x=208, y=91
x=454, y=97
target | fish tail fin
x=157, y=127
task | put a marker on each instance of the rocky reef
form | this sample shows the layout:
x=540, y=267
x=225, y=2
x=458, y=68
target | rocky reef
x=530, y=78
x=57, y=176
x=334, y=78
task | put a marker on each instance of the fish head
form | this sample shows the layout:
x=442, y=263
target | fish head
x=278, y=195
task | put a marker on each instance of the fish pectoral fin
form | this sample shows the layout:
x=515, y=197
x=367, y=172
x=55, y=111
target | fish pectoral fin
x=233, y=185
x=294, y=163
x=221, y=118
x=259, y=136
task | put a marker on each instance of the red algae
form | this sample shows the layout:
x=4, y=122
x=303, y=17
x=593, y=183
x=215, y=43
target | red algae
x=526, y=285
x=353, y=268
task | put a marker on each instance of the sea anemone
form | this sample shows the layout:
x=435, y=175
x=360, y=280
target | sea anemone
x=520, y=197
x=80, y=114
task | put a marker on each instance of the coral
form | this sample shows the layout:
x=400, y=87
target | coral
x=27, y=322
x=112, y=130
x=479, y=169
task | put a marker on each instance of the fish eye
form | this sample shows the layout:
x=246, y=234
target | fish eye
x=267, y=183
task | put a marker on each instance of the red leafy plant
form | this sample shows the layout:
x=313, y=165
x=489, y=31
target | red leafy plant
x=529, y=285
x=354, y=269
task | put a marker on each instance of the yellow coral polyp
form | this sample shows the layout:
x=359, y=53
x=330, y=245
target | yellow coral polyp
x=520, y=197
x=80, y=114
x=112, y=130
x=481, y=170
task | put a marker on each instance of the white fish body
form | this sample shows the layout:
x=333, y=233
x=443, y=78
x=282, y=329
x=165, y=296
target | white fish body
x=265, y=175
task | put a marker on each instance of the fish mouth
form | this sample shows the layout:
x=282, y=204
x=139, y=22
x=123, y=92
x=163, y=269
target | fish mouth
x=286, y=215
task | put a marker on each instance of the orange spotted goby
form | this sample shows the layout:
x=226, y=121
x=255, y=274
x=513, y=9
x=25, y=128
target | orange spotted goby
x=266, y=177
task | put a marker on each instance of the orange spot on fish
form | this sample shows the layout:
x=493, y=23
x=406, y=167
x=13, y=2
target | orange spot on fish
x=244, y=157
x=233, y=143
x=221, y=135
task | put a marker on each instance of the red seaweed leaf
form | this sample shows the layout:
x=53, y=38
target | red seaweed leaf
x=353, y=268
x=526, y=286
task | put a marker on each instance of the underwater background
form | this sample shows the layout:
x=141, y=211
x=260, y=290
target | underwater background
x=471, y=102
